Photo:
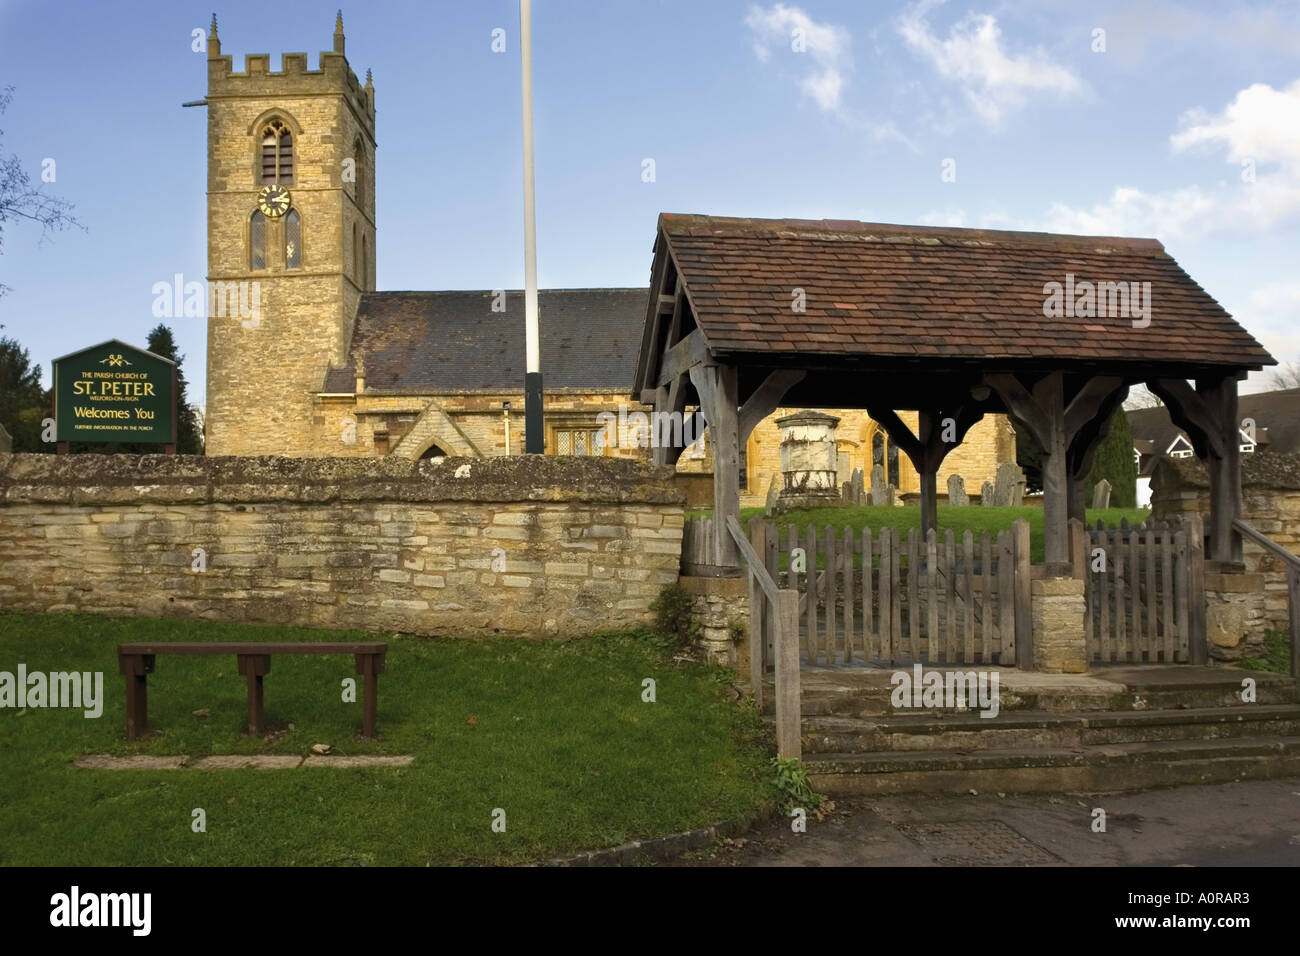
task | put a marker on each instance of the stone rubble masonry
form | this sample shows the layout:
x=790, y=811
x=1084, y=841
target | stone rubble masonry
x=717, y=604
x=1056, y=613
x=1234, y=614
x=385, y=544
x=1270, y=503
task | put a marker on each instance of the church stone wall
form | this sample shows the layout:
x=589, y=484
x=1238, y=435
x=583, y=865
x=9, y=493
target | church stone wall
x=530, y=546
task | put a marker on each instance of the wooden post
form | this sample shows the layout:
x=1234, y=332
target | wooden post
x=1024, y=610
x=1198, y=650
x=1055, y=473
x=788, y=741
x=1078, y=549
x=928, y=469
x=717, y=386
x=1224, y=471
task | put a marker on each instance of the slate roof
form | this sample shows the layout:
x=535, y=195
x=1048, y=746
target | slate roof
x=435, y=341
x=917, y=292
x=1276, y=414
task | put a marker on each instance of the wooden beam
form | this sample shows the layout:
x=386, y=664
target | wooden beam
x=898, y=432
x=687, y=355
x=1089, y=401
x=766, y=398
x=1020, y=405
x=1188, y=410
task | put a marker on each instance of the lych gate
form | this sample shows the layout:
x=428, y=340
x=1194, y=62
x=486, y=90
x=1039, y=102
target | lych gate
x=954, y=324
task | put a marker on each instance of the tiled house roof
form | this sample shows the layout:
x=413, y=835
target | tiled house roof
x=447, y=341
x=918, y=292
x=1276, y=415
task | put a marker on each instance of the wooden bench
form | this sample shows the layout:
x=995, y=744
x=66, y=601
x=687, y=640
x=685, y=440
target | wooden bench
x=136, y=662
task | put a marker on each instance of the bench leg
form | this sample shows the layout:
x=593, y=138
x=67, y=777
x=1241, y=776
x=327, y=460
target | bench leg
x=137, y=706
x=372, y=697
x=256, y=718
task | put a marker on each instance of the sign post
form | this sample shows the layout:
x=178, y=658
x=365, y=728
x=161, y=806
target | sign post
x=114, y=392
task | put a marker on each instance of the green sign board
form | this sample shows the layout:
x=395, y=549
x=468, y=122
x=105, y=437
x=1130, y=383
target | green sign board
x=114, y=392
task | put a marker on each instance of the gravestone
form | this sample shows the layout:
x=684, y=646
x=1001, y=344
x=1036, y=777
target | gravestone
x=1101, y=494
x=855, y=484
x=890, y=493
x=957, y=491
x=987, y=495
x=773, y=492
x=878, y=485
x=1009, y=489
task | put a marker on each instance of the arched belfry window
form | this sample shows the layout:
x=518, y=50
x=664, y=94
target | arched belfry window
x=257, y=241
x=293, y=240
x=365, y=263
x=277, y=154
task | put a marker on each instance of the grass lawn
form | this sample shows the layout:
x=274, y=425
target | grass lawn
x=559, y=738
x=975, y=519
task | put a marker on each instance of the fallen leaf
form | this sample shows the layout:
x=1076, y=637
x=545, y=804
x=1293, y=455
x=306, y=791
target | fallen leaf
x=230, y=799
x=320, y=748
x=472, y=720
x=203, y=712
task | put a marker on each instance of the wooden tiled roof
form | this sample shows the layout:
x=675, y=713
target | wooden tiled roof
x=917, y=292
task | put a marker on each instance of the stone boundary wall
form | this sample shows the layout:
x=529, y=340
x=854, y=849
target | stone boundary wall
x=1270, y=496
x=530, y=545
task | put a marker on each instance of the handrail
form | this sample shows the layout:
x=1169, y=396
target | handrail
x=1267, y=543
x=755, y=563
x=783, y=611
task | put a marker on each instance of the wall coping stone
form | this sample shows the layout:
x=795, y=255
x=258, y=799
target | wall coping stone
x=1234, y=583
x=1055, y=587
x=80, y=480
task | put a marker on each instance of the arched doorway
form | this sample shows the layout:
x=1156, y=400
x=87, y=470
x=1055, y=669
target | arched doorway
x=433, y=451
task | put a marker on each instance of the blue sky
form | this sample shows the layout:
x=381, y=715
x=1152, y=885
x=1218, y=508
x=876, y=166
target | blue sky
x=1145, y=138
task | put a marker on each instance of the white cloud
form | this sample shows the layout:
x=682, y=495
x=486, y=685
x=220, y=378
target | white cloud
x=996, y=83
x=825, y=45
x=1272, y=313
x=1261, y=125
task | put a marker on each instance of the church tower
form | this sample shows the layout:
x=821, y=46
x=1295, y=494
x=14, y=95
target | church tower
x=291, y=240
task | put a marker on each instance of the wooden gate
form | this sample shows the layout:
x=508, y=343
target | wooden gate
x=878, y=598
x=1145, y=592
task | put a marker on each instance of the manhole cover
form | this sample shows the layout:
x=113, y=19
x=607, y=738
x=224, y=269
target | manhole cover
x=986, y=843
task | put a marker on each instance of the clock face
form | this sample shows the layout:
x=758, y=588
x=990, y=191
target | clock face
x=274, y=201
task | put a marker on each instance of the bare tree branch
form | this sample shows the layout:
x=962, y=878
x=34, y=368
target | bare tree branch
x=19, y=198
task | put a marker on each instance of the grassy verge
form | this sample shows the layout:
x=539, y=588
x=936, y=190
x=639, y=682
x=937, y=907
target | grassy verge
x=1277, y=654
x=555, y=733
x=975, y=519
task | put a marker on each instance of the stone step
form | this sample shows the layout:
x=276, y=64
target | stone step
x=1035, y=730
x=866, y=693
x=1084, y=769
